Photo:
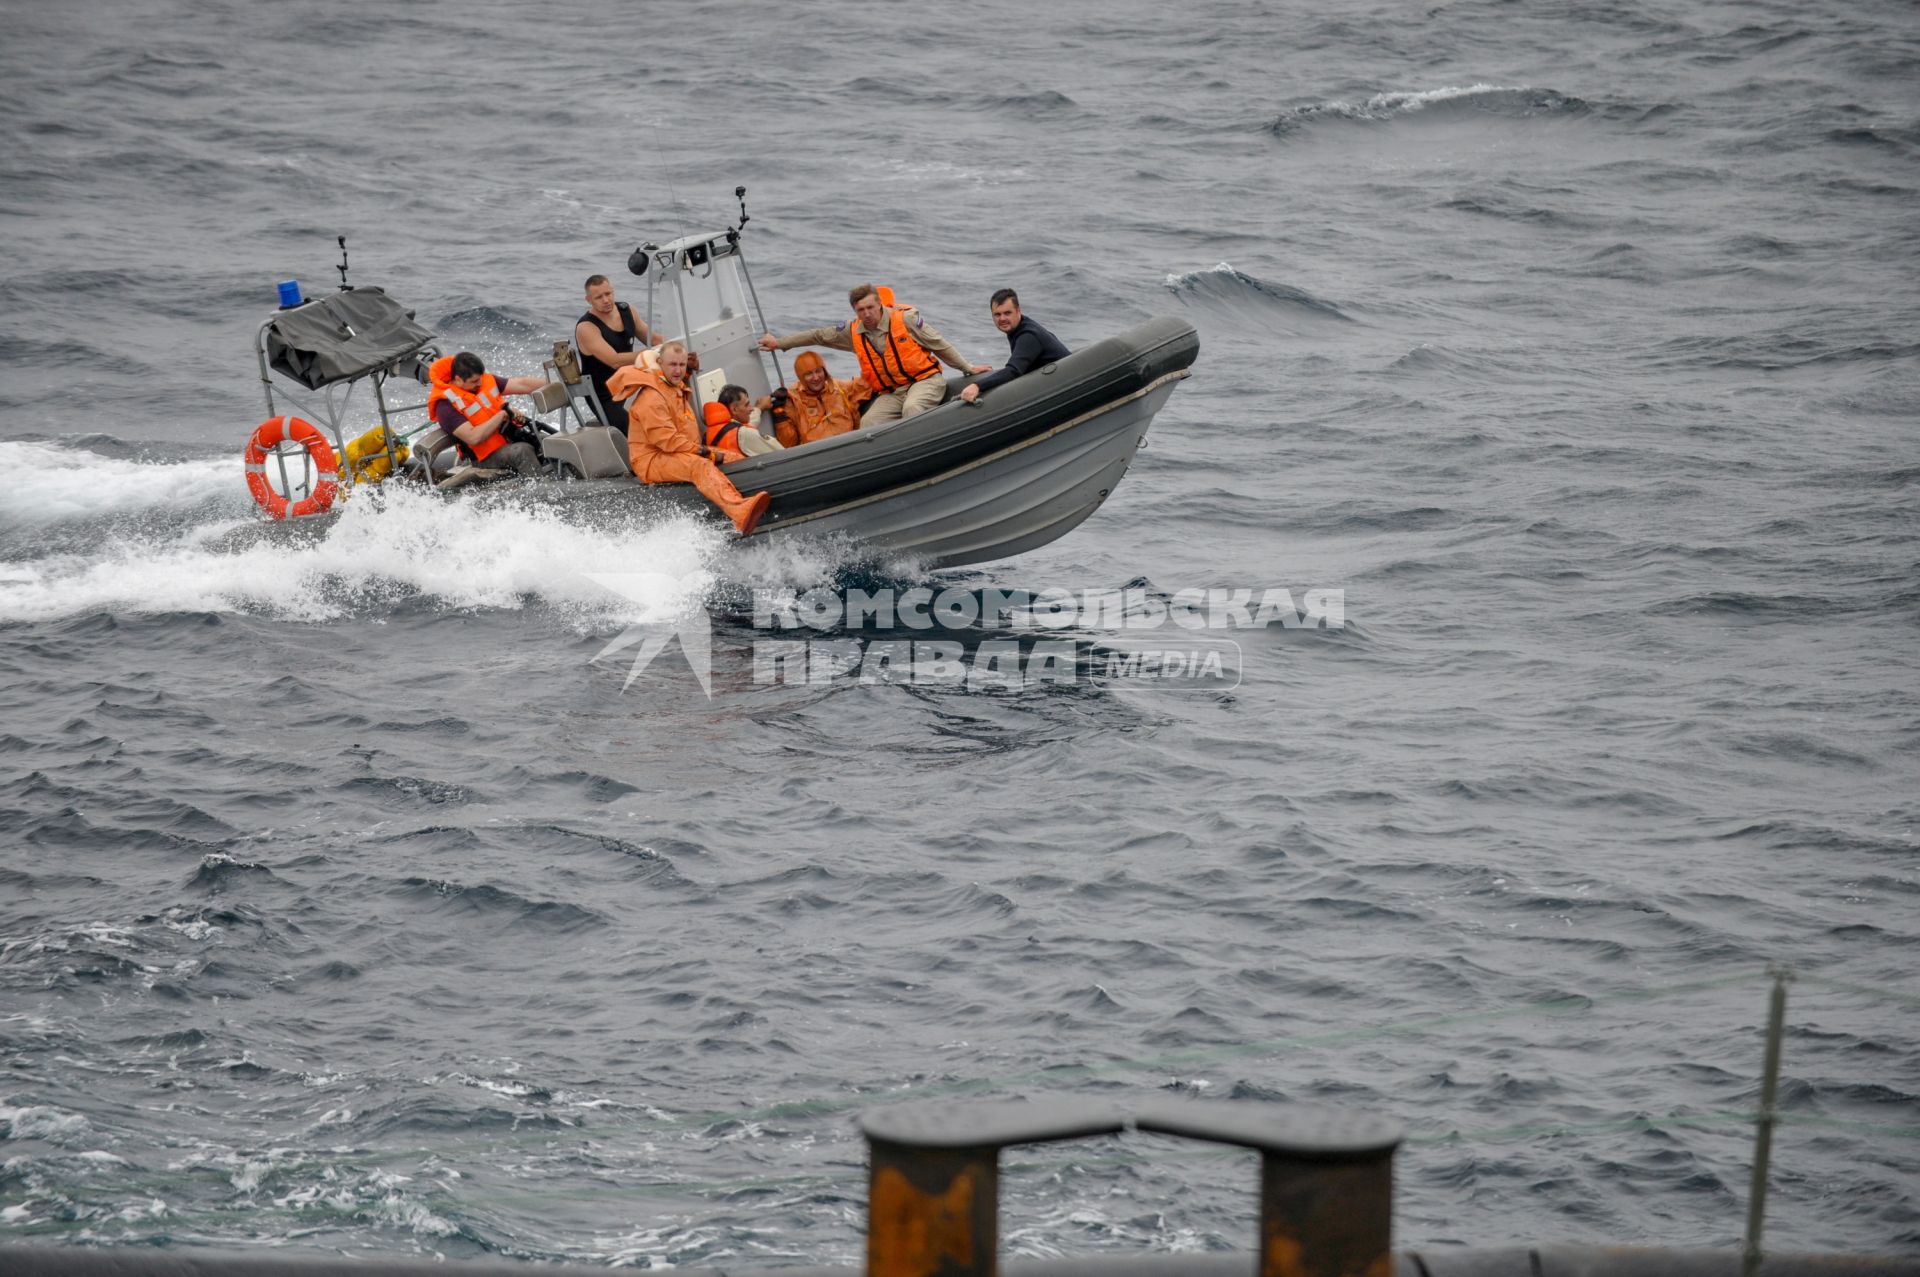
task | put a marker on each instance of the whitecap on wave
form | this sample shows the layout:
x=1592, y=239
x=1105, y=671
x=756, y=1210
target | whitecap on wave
x=1225, y=286
x=1512, y=100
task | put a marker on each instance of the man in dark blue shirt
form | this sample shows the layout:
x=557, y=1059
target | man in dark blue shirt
x=1031, y=345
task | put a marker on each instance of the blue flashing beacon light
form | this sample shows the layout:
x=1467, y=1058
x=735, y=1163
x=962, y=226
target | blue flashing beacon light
x=290, y=294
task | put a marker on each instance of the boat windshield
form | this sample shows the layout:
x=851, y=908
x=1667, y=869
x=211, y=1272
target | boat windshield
x=698, y=291
x=706, y=286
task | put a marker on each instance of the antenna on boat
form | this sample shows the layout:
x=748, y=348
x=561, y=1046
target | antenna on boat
x=733, y=238
x=345, y=287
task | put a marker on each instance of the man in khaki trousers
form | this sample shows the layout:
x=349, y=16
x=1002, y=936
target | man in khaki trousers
x=899, y=354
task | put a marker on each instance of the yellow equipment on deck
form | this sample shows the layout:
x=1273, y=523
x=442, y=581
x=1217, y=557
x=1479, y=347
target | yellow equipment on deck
x=367, y=460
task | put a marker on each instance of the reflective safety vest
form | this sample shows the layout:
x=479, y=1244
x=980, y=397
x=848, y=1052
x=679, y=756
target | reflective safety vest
x=479, y=407
x=896, y=361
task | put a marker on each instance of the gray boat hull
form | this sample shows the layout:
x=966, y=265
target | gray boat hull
x=1007, y=502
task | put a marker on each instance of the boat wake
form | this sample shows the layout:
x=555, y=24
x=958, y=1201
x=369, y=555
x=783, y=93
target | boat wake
x=103, y=535
x=56, y=484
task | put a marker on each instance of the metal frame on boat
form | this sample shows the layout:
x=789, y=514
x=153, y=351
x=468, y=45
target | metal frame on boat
x=319, y=347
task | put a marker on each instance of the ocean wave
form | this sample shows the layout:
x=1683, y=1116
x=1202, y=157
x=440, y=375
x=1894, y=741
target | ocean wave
x=505, y=328
x=1494, y=99
x=1802, y=748
x=1043, y=102
x=409, y=789
x=1427, y=358
x=1867, y=186
x=1740, y=604
x=40, y=1122
x=1025, y=105
x=1517, y=206
x=1223, y=285
x=1892, y=138
x=504, y=904
x=1775, y=352
x=218, y=871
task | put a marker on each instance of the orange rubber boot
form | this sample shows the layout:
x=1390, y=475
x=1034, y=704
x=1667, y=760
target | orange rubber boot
x=682, y=467
x=749, y=518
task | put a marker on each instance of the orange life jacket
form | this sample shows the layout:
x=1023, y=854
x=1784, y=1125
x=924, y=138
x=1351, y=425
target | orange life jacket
x=897, y=361
x=722, y=430
x=478, y=406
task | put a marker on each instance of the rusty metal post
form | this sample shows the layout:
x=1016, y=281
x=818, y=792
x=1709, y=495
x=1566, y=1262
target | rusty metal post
x=1326, y=1181
x=933, y=1188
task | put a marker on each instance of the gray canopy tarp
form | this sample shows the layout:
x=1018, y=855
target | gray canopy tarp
x=341, y=337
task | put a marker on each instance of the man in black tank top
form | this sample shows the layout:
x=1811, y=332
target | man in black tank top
x=610, y=336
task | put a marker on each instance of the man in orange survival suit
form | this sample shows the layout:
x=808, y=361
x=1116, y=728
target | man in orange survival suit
x=896, y=350
x=817, y=406
x=664, y=440
x=469, y=403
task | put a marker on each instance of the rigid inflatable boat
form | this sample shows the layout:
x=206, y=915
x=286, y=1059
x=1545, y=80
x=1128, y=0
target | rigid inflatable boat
x=962, y=483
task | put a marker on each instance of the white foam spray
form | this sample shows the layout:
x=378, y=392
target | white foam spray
x=461, y=553
x=53, y=484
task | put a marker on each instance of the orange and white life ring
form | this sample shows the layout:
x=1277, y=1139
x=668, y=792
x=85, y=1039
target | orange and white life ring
x=269, y=435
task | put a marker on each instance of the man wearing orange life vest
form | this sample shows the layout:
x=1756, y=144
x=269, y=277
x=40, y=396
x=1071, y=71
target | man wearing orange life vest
x=896, y=349
x=469, y=403
x=664, y=441
x=816, y=406
x=730, y=424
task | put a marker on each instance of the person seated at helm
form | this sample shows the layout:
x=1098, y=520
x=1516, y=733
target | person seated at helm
x=610, y=337
x=897, y=352
x=730, y=424
x=816, y=406
x=469, y=403
x=664, y=442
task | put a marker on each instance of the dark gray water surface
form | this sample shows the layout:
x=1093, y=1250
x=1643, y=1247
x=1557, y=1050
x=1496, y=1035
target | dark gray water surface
x=348, y=902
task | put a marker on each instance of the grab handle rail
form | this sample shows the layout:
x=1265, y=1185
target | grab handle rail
x=933, y=1188
x=1326, y=1179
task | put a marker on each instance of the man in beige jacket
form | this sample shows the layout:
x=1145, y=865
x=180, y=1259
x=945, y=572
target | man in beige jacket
x=896, y=349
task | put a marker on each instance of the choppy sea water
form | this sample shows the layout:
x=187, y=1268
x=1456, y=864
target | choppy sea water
x=352, y=900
